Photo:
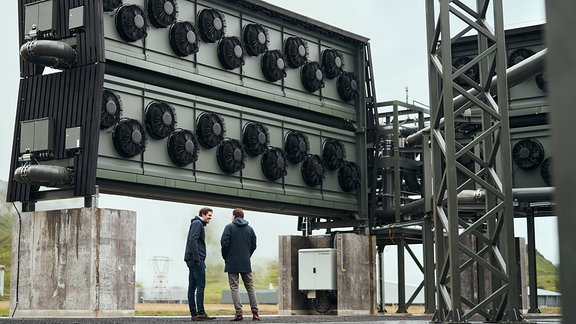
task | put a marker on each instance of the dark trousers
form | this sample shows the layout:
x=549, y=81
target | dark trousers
x=196, y=286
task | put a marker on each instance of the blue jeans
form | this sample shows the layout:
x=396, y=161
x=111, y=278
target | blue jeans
x=196, y=286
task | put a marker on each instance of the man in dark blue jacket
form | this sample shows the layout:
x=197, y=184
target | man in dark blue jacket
x=195, y=257
x=238, y=244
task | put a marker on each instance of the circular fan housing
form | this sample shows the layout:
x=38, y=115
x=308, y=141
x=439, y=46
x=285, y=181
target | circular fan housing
x=273, y=65
x=210, y=129
x=230, y=156
x=273, y=164
x=546, y=171
x=230, y=53
x=162, y=13
x=110, y=110
x=349, y=176
x=519, y=55
x=312, y=76
x=472, y=72
x=211, y=25
x=333, y=154
x=296, y=146
x=183, y=38
x=528, y=154
x=131, y=23
x=332, y=63
x=347, y=86
x=182, y=147
x=255, y=138
x=312, y=170
x=295, y=51
x=111, y=5
x=129, y=138
x=255, y=39
x=160, y=119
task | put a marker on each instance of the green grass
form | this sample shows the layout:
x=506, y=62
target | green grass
x=547, y=274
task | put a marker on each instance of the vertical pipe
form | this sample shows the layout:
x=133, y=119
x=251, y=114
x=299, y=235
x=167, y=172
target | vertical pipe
x=401, y=277
x=532, y=280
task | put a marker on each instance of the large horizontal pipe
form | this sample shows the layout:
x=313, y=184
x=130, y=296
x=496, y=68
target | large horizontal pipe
x=533, y=194
x=55, y=54
x=514, y=75
x=44, y=175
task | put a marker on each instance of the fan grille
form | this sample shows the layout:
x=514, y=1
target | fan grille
x=182, y=147
x=230, y=156
x=255, y=138
x=131, y=23
x=160, y=119
x=312, y=76
x=471, y=73
x=528, y=154
x=332, y=62
x=273, y=164
x=183, y=38
x=347, y=86
x=162, y=13
x=255, y=39
x=210, y=129
x=273, y=65
x=296, y=146
x=111, y=5
x=296, y=52
x=333, y=154
x=230, y=53
x=110, y=110
x=312, y=170
x=211, y=25
x=129, y=138
x=349, y=176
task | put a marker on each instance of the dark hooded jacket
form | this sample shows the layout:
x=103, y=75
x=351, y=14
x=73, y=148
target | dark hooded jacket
x=238, y=243
x=196, y=242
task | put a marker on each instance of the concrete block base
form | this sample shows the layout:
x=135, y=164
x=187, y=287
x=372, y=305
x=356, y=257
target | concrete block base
x=73, y=263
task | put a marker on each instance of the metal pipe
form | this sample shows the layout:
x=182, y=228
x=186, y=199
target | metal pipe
x=44, y=175
x=515, y=75
x=55, y=54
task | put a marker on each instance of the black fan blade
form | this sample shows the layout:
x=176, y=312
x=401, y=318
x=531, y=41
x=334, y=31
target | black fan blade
x=131, y=23
x=160, y=119
x=210, y=129
x=296, y=146
x=255, y=138
x=255, y=39
x=332, y=63
x=312, y=76
x=349, y=176
x=230, y=53
x=211, y=24
x=296, y=52
x=347, y=86
x=273, y=65
x=312, y=170
x=111, y=5
x=273, y=164
x=182, y=147
x=110, y=110
x=230, y=156
x=128, y=138
x=162, y=13
x=333, y=154
x=183, y=38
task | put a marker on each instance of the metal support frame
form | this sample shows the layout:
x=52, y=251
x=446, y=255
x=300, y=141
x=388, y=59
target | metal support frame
x=491, y=228
x=532, y=279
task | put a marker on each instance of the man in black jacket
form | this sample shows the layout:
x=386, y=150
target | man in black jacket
x=195, y=257
x=238, y=243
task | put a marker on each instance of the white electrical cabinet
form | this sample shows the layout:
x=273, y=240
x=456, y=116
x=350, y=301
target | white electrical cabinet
x=317, y=269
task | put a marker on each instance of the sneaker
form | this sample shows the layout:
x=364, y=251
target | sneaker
x=204, y=317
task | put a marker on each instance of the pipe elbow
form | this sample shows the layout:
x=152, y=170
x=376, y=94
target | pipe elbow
x=55, y=54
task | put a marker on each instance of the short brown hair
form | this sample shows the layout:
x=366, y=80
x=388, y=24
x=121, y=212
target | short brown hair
x=204, y=211
x=238, y=212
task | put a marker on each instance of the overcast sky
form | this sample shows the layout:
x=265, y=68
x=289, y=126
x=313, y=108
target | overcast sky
x=396, y=30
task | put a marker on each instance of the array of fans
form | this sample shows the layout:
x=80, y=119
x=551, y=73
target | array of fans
x=184, y=37
x=129, y=139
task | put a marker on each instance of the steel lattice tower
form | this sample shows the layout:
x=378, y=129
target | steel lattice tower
x=478, y=238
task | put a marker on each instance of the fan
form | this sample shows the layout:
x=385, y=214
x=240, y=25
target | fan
x=296, y=52
x=230, y=53
x=162, y=13
x=230, y=156
x=472, y=72
x=273, y=65
x=349, y=176
x=347, y=86
x=131, y=23
x=333, y=154
x=182, y=147
x=128, y=137
x=273, y=163
x=111, y=5
x=546, y=170
x=255, y=138
x=296, y=146
x=519, y=55
x=541, y=81
x=255, y=39
x=209, y=129
x=312, y=170
x=528, y=154
x=312, y=76
x=211, y=24
x=332, y=62
x=160, y=119
x=110, y=110
x=183, y=38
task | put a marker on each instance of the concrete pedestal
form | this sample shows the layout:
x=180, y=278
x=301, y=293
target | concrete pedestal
x=73, y=263
x=355, y=273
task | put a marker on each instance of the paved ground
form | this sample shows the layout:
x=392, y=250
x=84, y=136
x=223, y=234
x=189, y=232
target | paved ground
x=388, y=319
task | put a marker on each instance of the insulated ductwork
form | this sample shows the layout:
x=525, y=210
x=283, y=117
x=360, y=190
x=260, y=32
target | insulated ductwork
x=55, y=54
x=44, y=175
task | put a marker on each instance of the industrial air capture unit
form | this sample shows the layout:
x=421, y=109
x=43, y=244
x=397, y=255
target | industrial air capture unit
x=236, y=102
